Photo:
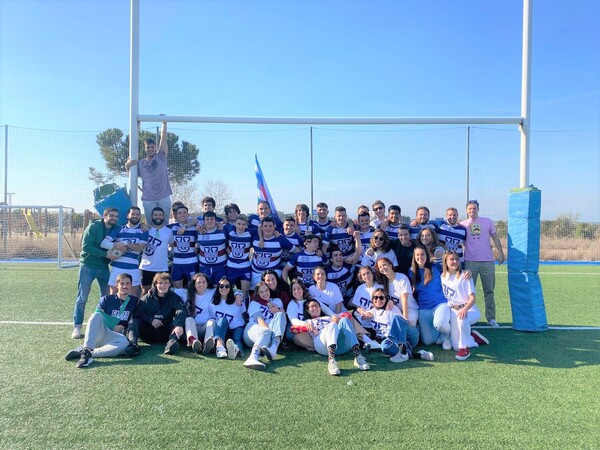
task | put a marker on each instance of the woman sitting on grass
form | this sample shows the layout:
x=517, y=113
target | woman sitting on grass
x=362, y=302
x=265, y=328
x=198, y=325
x=332, y=335
x=390, y=328
x=226, y=309
x=379, y=247
x=460, y=294
x=398, y=288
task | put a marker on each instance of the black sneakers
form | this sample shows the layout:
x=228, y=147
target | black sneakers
x=172, y=347
x=132, y=350
x=86, y=358
x=73, y=354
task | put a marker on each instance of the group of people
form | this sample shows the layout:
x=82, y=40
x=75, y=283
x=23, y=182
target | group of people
x=333, y=286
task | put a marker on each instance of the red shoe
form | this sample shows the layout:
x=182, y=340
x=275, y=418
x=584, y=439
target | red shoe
x=479, y=338
x=462, y=354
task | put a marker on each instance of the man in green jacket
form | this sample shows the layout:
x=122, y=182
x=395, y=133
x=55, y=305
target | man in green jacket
x=93, y=264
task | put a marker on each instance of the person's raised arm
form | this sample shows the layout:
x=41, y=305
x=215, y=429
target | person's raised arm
x=164, y=148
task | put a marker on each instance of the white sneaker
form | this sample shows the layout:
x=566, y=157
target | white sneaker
x=221, y=352
x=253, y=363
x=427, y=356
x=493, y=324
x=332, y=367
x=269, y=352
x=232, y=349
x=360, y=362
x=399, y=357
x=447, y=344
x=76, y=334
x=209, y=345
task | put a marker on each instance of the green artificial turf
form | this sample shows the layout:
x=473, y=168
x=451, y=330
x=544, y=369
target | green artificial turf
x=524, y=390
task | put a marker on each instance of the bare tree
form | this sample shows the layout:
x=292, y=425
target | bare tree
x=218, y=190
x=188, y=194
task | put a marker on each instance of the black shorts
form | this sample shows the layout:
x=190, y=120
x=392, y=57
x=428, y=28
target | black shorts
x=147, y=277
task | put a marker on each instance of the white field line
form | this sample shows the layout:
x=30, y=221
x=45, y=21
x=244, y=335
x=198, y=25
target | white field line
x=481, y=327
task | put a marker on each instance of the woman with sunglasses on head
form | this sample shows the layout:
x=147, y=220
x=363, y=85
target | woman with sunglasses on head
x=198, y=325
x=460, y=294
x=379, y=248
x=428, y=239
x=362, y=302
x=265, y=328
x=332, y=335
x=398, y=288
x=391, y=328
x=227, y=310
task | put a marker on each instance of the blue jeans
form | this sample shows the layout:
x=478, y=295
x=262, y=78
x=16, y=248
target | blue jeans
x=223, y=331
x=434, y=324
x=397, y=335
x=87, y=275
x=255, y=334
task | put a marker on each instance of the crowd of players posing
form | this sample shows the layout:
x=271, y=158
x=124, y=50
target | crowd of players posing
x=329, y=286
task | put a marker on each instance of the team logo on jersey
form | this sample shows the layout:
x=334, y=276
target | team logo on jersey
x=448, y=291
x=199, y=310
x=228, y=317
x=266, y=313
x=120, y=315
x=183, y=243
x=262, y=259
x=153, y=244
x=237, y=250
x=452, y=243
x=211, y=254
x=395, y=300
x=344, y=244
x=365, y=303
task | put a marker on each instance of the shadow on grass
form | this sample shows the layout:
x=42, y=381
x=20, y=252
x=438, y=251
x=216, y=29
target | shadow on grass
x=560, y=349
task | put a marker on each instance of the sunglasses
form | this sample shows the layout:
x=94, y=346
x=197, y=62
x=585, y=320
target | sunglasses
x=378, y=238
x=224, y=286
x=379, y=297
x=378, y=208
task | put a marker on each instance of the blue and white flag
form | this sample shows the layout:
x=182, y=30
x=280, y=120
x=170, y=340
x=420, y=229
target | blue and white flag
x=263, y=189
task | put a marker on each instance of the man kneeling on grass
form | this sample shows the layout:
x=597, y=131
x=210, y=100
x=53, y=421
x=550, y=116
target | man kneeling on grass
x=106, y=328
x=160, y=316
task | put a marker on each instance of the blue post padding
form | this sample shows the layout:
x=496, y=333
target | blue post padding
x=527, y=301
x=120, y=200
x=524, y=207
x=524, y=286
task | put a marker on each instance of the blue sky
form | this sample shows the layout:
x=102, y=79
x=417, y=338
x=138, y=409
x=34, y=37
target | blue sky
x=64, y=65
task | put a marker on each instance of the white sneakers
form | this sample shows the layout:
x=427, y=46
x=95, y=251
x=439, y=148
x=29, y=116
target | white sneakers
x=221, y=352
x=399, y=357
x=76, y=334
x=232, y=349
x=332, y=367
x=360, y=362
x=447, y=344
x=270, y=352
x=253, y=363
x=493, y=324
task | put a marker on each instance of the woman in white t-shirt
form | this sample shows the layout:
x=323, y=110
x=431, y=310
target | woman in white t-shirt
x=460, y=294
x=197, y=297
x=391, y=329
x=332, y=335
x=379, y=247
x=227, y=310
x=362, y=302
x=326, y=292
x=265, y=327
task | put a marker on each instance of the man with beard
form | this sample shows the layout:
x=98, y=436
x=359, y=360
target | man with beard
x=452, y=234
x=93, y=264
x=131, y=240
x=155, y=258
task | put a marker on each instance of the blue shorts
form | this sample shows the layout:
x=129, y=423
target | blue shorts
x=183, y=272
x=214, y=273
x=233, y=275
